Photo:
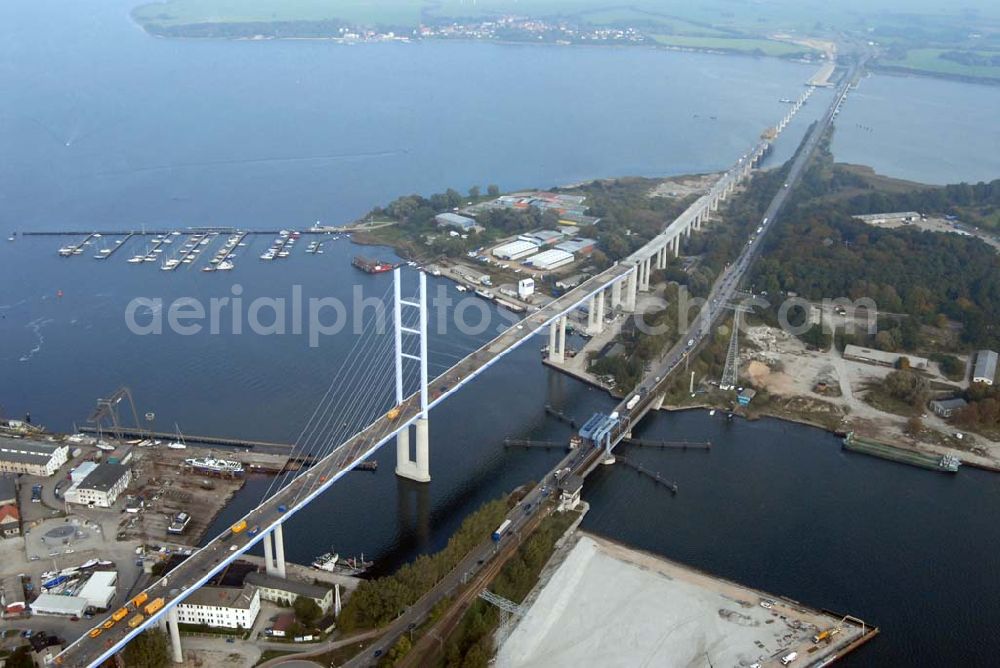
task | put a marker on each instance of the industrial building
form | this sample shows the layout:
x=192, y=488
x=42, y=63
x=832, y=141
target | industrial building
x=79, y=473
x=571, y=282
x=221, y=607
x=985, y=370
x=946, y=407
x=515, y=250
x=542, y=238
x=100, y=589
x=525, y=288
x=280, y=590
x=550, y=259
x=578, y=246
x=22, y=455
x=472, y=275
x=746, y=396
x=59, y=605
x=454, y=220
x=101, y=487
x=881, y=357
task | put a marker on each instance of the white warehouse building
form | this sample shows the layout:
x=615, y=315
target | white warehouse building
x=56, y=604
x=23, y=455
x=515, y=250
x=101, y=487
x=550, y=259
x=99, y=590
x=221, y=607
x=985, y=370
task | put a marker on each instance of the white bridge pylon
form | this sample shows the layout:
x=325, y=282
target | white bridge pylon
x=415, y=467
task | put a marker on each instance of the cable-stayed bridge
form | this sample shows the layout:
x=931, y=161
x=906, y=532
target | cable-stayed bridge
x=397, y=389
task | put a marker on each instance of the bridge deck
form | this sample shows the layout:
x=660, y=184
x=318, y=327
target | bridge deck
x=200, y=566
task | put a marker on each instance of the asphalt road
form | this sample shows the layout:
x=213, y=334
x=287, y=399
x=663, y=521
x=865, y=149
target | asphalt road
x=200, y=566
x=726, y=286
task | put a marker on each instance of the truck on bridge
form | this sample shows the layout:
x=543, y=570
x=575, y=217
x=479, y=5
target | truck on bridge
x=500, y=531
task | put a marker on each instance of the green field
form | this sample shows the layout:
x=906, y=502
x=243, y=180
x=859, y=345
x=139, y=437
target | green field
x=930, y=60
x=761, y=17
x=765, y=46
x=360, y=12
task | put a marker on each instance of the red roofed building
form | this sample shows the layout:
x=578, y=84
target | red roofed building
x=10, y=521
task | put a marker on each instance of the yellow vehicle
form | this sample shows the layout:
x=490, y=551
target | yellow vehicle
x=154, y=606
x=108, y=624
x=140, y=599
x=135, y=621
x=239, y=526
x=120, y=614
x=95, y=632
x=393, y=413
x=825, y=635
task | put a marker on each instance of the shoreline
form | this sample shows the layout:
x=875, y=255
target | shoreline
x=774, y=415
x=876, y=67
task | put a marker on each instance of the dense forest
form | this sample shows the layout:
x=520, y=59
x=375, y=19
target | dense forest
x=819, y=251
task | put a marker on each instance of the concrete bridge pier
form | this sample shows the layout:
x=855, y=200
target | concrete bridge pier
x=279, y=550
x=417, y=469
x=175, y=635
x=631, y=287
x=677, y=246
x=557, y=340
x=661, y=257
x=274, y=565
x=646, y=274
x=616, y=294
x=595, y=314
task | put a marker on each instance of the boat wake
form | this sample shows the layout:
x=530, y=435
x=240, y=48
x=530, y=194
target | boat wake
x=36, y=327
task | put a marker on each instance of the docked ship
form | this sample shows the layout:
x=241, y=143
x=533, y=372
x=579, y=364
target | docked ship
x=927, y=460
x=215, y=466
x=372, y=266
x=332, y=563
x=326, y=562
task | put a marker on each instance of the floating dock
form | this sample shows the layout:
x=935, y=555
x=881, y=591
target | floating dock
x=105, y=253
x=926, y=460
x=77, y=248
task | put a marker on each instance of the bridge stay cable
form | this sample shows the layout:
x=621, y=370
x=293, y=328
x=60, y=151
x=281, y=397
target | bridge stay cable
x=309, y=428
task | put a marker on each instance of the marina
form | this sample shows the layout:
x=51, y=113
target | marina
x=77, y=248
x=188, y=252
x=222, y=260
x=281, y=247
x=155, y=244
x=106, y=251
